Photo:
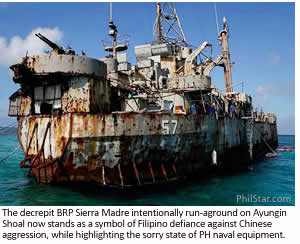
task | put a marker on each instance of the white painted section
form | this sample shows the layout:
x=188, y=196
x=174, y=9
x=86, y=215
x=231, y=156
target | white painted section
x=169, y=126
x=214, y=157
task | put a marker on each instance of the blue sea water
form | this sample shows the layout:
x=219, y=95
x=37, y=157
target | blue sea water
x=270, y=177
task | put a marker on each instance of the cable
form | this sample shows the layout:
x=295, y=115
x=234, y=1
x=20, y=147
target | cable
x=216, y=14
x=264, y=139
x=10, y=154
x=9, y=125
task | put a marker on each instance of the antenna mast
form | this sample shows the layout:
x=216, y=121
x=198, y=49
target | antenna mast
x=158, y=22
x=113, y=32
x=113, y=44
x=223, y=37
x=110, y=11
x=167, y=20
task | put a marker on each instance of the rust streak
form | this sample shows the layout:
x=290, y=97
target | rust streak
x=136, y=173
x=152, y=173
x=27, y=150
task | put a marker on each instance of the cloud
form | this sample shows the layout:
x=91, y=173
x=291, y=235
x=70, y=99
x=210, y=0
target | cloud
x=282, y=88
x=17, y=47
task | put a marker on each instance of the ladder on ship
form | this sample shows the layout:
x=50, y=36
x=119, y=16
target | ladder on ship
x=250, y=136
x=250, y=126
x=249, y=132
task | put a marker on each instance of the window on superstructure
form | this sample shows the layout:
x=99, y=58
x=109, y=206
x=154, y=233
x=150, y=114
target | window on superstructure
x=47, y=99
x=15, y=103
x=14, y=106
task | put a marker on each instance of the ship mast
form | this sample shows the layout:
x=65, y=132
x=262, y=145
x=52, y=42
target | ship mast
x=158, y=25
x=167, y=19
x=113, y=32
x=223, y=37
x=115, y=45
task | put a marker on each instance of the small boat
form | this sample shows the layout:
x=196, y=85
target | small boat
x=284, y=150
x=271, y=155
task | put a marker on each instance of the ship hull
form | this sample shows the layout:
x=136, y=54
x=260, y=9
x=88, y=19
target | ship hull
x=127, y=149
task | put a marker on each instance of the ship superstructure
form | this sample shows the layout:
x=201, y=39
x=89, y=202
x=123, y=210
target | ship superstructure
x=114, y=123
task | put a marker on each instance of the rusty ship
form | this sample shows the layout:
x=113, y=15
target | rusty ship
x=109, y=122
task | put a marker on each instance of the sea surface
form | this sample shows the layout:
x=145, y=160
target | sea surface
x=269, y=177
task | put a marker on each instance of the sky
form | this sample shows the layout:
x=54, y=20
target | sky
x=261, y=42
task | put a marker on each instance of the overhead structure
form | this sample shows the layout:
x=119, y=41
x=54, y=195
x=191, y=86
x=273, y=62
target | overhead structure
x=189, y=61
x=167, y=27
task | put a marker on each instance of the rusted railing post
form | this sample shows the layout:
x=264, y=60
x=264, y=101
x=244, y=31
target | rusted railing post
x=136, y=173
x=103, y=175
x=164, y=171
x=174, y=168
x=44, y=164
x=152, y=173
x=121, y=176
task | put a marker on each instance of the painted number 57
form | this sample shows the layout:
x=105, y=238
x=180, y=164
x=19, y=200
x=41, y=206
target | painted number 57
x=166, y=126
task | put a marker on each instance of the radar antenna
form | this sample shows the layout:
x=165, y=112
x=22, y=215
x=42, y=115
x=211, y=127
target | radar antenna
x=167, y=28
x=114, y=43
